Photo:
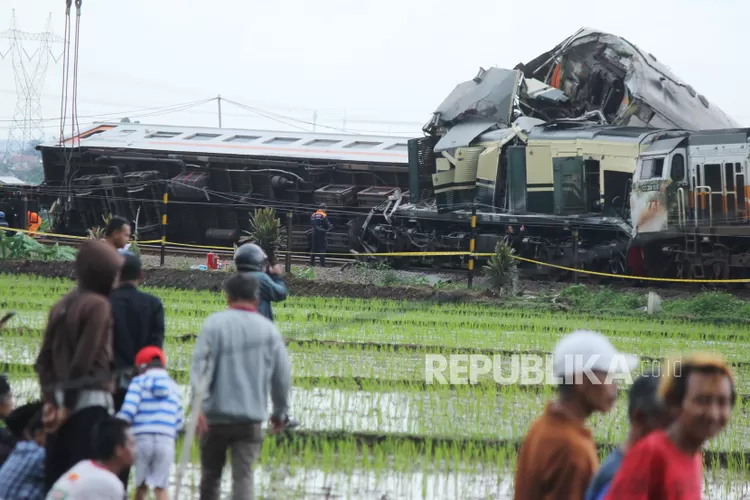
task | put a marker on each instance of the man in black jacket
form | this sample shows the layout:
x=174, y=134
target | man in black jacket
x=138, y=321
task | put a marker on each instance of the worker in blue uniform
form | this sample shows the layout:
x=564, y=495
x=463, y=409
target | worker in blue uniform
x=320, y=227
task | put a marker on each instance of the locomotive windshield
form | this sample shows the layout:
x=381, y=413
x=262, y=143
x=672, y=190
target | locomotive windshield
x=652, y=168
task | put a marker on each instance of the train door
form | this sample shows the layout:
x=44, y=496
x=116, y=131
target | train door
x=700, y=199
x=570, y=193
x=678, y=189
x=740, y=203
x=713, y=184
x=729, y=201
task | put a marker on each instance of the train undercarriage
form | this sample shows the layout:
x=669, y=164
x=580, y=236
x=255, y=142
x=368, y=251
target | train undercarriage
x=601, y=246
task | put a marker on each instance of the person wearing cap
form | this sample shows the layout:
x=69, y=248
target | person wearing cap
x=138, y=321
x=558, y=457
x=153, y=407
x=320, y=227
x=700, y=392
x=3, y=222
x=646, y=413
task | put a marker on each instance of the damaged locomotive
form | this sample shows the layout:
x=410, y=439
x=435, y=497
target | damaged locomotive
x=593, y=155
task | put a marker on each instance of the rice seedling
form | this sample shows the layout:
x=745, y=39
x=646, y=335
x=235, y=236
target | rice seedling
x=372, y=422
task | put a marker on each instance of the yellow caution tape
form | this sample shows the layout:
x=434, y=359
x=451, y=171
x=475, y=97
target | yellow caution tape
x=627, y=276
x=418, y=254
x=39, y=233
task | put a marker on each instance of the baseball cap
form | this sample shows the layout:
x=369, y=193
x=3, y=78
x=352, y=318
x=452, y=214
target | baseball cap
x=148, y=353
x=585, y=350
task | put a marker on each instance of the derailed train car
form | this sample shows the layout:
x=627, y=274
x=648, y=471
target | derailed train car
x=214, y=177
x=570, y=156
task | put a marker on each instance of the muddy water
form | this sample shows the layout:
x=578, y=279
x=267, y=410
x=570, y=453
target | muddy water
x=283, y=483
x=330, y=409
x=441, y=413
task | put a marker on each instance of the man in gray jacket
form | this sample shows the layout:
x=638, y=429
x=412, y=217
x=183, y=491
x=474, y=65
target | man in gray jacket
x=245, y=355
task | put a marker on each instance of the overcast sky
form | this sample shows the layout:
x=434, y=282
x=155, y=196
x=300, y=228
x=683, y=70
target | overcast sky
x=379, y=66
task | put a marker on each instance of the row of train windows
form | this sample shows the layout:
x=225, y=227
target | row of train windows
x=654, y=168
x=712, y=175
x=275, y=140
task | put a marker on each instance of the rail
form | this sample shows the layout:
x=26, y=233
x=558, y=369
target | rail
x=354, y=255
x=710, y=204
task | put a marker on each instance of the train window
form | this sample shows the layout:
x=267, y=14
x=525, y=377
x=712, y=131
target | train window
x=321, y=143
x=652, y=167
x=199, y=137
x=397, y=147
x=243, y=138
x=729, y=176
x=738, y=167
x=362, y=145
x=677, y=172
x=163, y=135
x=282, y=140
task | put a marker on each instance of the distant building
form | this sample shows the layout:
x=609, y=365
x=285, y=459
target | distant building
x=9, y=180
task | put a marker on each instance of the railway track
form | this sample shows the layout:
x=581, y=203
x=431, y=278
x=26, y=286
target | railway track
x=531, y=275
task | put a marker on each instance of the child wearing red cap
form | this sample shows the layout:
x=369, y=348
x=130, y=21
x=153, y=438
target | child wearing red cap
x=153, y=406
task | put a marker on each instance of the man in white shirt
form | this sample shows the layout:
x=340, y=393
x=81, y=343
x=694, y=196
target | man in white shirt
x=97, y=479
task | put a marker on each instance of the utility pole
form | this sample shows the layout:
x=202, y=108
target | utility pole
x=472, y=244
x=218, y=98
x=575, y=254
x=29, y=70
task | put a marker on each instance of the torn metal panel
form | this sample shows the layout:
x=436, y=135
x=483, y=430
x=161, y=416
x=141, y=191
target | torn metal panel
x=487, y=97
x=534, y=89
x=591, y=76
x=462, y=134
x=605, y=72
x=663, y=147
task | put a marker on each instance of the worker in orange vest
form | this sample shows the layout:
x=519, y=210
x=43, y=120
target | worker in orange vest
x=34, y=222
x=320, y=226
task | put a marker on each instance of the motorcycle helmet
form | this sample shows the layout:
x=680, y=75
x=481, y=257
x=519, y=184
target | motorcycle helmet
x=250, y=257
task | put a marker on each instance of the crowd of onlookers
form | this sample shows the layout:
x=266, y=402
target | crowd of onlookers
x=673, y=410
x=108, y=402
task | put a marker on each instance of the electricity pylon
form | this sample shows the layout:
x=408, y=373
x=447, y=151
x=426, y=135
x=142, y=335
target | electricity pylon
x=29, y=71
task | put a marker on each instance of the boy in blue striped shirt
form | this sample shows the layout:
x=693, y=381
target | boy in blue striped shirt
x=153, y=407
